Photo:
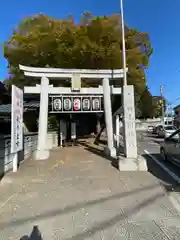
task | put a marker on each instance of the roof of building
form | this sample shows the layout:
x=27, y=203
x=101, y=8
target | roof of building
x=6, y=108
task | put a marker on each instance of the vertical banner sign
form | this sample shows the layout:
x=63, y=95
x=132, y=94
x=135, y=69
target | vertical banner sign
x=16, y=120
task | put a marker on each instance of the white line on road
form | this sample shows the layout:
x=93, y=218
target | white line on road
x=173, y=175
x=174, y=201
x=7, y=200
x=153, y=143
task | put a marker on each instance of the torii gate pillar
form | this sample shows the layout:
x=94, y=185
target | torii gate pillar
x=42, y=153
x=110, y=150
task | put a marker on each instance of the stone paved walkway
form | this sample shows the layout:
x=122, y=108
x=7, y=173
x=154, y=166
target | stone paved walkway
x=77, y=195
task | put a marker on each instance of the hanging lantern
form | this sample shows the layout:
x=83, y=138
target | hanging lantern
x=57, y=104
x=76, y=104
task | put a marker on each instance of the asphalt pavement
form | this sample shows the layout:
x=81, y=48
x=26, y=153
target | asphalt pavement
x=78, y=195
x=166, y=172
x=148, y=141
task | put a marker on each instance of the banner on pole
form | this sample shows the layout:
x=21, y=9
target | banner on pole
x=16, y=119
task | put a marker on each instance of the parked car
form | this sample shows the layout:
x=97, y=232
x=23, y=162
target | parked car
x=150, y=129
x=157, y=129
x=154, y=129
x=170, y=148
x=166, y=131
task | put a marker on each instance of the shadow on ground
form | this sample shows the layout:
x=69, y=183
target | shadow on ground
x=158, y=141
x=169, y=184
x=3, y=154
x=35, y=235
x=127, y=212
x=99, y=152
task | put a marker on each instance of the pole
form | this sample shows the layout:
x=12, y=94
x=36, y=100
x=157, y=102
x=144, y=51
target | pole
x=123, y=43
x=15, y=162
x=108, y=117
x=117, y=133
x=61, y=139
x=162, y=105
x=129, y=133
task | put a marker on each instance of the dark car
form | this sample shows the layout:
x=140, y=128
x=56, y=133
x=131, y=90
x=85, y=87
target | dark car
x=156, y=129
x=170, y=148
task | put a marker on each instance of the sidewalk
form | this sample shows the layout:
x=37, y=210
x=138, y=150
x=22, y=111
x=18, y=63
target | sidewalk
x=77, y=195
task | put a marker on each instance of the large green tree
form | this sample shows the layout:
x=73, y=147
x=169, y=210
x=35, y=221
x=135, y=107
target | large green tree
x=94, y=43
x=146, y=105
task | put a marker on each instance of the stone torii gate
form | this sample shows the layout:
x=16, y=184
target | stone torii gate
x=44, y=89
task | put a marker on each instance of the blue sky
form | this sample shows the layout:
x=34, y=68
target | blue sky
x=160, y=18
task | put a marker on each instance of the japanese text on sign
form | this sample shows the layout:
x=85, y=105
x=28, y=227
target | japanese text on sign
x=16, y=120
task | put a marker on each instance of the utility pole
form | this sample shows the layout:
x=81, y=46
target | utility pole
x=130, y=141
x=123, y=43
x=162, y=105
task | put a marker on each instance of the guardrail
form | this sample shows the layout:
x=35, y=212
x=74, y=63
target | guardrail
x=30, y=144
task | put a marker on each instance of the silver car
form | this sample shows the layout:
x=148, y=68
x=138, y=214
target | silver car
x=170, y=148
x=166, y=131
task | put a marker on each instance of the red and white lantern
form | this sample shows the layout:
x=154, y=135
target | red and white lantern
x=77, y=104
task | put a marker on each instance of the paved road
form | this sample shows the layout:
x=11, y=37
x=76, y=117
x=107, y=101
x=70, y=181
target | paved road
x=151, y=144
x=78, y=195
x=148, y=141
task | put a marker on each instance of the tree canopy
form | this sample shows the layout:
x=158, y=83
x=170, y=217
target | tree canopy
x=146, y=105
x=93, y=43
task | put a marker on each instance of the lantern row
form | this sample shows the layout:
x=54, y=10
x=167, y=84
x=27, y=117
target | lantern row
x=75, y=104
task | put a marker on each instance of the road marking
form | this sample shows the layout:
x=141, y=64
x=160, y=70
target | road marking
x=173, y=175
x=174, y=202
x=7, y=200
x=153, y=143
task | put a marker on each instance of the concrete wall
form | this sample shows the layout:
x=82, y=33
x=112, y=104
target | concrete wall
x=52, y=140
x=30, y=144
x=143, y=124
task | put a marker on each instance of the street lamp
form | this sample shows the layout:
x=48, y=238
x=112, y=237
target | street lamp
x=123, y=43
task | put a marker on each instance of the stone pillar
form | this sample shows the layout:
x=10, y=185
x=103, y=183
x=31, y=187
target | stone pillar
x=117, y=133
x=42, y=151
x=108, y=118
x=130, y=141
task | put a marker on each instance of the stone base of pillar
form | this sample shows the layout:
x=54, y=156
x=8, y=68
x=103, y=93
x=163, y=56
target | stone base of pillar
x=41, y=154
x=132, y=164
x=110, y=152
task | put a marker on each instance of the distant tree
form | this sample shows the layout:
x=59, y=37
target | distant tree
x=159, y=105
x=146, y=104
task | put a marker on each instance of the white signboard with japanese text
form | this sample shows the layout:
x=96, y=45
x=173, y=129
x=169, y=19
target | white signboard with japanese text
x=129, y=122
x=16, y=120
